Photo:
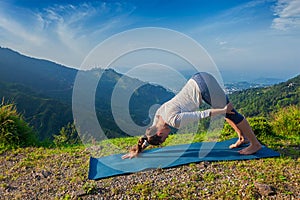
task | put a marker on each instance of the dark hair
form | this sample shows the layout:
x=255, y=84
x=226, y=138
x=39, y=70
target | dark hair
x=154, y=140
x=150, y=137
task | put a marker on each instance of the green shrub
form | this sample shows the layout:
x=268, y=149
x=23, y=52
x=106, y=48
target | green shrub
x=261, y=127
x=286, y=122
x=14, y=131
x=67, y=136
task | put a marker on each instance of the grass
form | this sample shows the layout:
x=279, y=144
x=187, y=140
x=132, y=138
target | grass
x=61, y=173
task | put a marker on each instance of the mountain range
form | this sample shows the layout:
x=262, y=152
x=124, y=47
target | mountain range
x=42, y=91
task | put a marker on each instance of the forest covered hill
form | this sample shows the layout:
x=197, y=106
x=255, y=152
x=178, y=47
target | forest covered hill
x=263, y=101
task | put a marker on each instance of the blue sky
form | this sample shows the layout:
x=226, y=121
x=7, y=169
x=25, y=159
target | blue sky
x=246, y=39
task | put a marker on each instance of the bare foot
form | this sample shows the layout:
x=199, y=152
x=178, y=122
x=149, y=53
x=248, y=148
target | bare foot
x=239, y=142
x=253, y=148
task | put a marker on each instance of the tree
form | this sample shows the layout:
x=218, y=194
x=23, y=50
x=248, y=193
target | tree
x=67, y=136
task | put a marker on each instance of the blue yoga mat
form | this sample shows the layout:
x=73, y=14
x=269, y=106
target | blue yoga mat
x=171, y=156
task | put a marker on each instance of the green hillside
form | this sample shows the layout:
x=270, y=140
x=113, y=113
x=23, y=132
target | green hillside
x=263, y=101
x=41, y=76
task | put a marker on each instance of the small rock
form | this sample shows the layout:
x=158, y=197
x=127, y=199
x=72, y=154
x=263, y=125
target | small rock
x=264, y=189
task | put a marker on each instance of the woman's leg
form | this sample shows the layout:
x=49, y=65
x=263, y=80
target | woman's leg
x=241, y=140
x=248, y=132
x=214, y=95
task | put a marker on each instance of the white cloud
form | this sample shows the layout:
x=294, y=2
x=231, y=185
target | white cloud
x=221, y=43
x=287, y=14
x=20, y=32
x=61, y=33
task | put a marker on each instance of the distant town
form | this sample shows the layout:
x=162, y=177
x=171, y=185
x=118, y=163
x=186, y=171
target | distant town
x=243, y=85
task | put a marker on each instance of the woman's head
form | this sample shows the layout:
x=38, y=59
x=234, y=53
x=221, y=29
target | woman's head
x=153, y=136
x=156, y=136
x=145, y=141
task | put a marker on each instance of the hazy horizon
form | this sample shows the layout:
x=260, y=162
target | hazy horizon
x=175, y=81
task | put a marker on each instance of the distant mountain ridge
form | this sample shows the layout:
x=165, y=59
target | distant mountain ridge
x=42, y=76
x=43, y=90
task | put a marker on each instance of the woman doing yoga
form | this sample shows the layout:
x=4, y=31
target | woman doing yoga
x=183, y=109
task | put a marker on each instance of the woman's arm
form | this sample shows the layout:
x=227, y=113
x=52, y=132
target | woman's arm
x=184, y=118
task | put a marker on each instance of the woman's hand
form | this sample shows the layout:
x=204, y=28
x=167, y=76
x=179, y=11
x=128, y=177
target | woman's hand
x=226, y=110
x=229, y=108
x=129, y=155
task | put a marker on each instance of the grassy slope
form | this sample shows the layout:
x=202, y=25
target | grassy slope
x=61, y=173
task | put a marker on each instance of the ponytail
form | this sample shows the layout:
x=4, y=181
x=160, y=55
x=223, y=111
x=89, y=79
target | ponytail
x=150, y=137
x=141, y=145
